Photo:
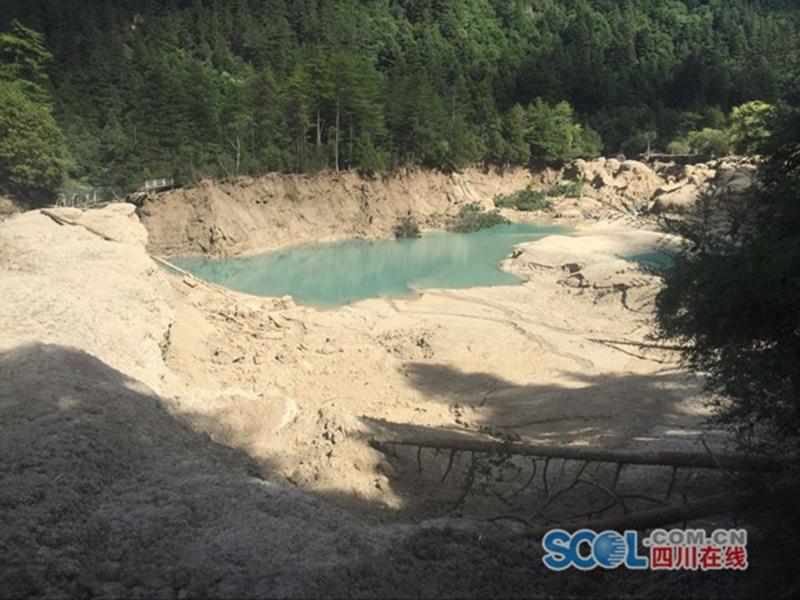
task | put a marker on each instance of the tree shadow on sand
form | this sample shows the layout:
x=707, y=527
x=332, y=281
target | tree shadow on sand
x=603, y=410
x=621, y=412
x=103, y=493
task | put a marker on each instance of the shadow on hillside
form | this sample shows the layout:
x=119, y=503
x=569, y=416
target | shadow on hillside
x=105, y=494
x=630, y=412
x=609, y=411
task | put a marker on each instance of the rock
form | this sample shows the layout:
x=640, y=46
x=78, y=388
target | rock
x=8, y=207
x=735, y=179
x=675, y=198
x=569, y=213
x=620, y=185
x=116, y=221
x=82, y=291
x=668, y=170
x=612, y=165
x=603, y=179
x=575, y=170
x=588, y=204
x=635, y=166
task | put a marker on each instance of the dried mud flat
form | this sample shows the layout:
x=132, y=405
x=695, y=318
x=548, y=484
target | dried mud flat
x=163, y=438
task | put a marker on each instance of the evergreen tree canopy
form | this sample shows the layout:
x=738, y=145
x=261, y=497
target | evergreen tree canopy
x=32, y=150
x=190, y=88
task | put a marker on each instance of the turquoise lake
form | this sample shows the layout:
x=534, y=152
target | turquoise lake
x=332, y=274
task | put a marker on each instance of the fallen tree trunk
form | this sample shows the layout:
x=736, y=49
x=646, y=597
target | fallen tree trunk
x=648, y=519
x=669, y=458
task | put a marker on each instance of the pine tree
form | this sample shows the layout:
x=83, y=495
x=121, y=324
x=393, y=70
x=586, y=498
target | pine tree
x=33, y=156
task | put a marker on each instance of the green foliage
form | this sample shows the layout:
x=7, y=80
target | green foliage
x=567, y=189
x=554, y=135
x=714, y=142
x=407, y=228
x=746, y=131
x=33, y=157
x=679, y=146
x=473, y=217
x=732, y=299
x=188, y=89
x=23, y=58
x=527, y=199
x=32, y=161
x=748, y=126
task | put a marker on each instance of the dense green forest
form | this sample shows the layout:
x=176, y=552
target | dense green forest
x=191, y=88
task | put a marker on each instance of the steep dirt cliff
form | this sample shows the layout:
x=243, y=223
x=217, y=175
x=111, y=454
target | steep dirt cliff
x=250, y=215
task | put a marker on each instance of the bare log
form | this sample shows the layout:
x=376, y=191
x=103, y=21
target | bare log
x=669, y=458
x=227, y=293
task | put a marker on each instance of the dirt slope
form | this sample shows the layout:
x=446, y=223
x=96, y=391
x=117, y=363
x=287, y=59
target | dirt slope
x=106, y=495
x=251, y=215
x=62, y=284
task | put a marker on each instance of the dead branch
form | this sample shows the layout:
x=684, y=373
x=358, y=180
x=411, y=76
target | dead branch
x=530, y=479
x=647, y=519
x=470, y=480
x=520, y=520
x=449, y=465
x=671, y=482
x=616, y=475
x=608, y=492
x=544, y=475
x=638, y=344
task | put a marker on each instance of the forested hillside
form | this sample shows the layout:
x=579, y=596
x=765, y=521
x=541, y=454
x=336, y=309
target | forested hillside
x=188, y=88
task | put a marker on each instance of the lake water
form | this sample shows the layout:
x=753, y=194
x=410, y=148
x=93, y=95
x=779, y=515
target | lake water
x=333, y=274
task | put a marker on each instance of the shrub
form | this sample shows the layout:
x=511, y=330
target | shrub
x=748, y=127
x=473, y=217
x=731, y=301
x=568, y=189
x=715, y=142
x=526, y=200
x=406, y=229
x=679, y=146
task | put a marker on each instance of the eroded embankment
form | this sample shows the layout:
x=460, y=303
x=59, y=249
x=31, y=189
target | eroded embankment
x=250, y=215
